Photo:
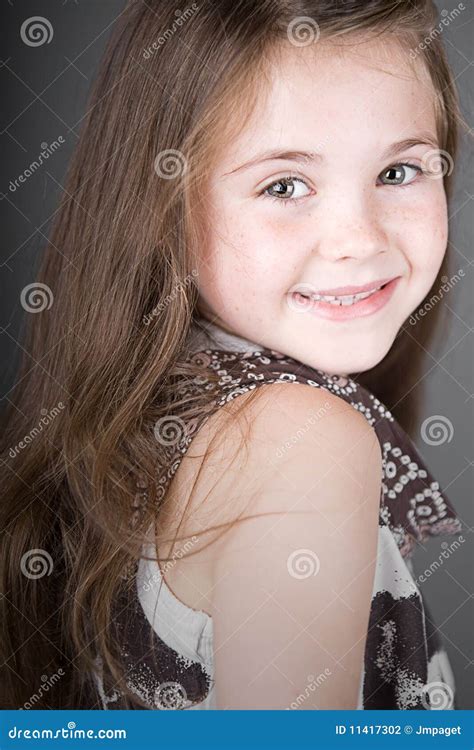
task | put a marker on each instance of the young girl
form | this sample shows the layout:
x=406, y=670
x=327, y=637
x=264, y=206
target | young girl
x=258, y=198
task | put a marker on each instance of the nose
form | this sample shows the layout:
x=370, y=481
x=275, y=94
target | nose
x=350, y=226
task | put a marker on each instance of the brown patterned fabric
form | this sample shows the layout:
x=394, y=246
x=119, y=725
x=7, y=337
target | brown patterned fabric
x=403, y=656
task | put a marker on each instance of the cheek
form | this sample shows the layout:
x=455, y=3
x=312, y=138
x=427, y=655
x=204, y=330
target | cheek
x=431, y=236
x=247, y=259
x=424, y=234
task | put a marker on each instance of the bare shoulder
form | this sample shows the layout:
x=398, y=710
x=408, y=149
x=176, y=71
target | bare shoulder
x=285, y=415
x=292, y=437
x=277, y=437
x=292, y=575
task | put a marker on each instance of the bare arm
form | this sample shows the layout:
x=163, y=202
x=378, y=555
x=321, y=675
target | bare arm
x=292, y=589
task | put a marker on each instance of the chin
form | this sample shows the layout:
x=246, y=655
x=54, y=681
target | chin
x=360, y=364
x=348, y=365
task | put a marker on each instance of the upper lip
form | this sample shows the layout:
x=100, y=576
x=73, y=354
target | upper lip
x=342, y=290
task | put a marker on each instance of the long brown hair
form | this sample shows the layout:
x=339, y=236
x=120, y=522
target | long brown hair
x=105, y=354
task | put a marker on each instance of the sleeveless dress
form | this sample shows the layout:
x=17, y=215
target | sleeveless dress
x=167, y=647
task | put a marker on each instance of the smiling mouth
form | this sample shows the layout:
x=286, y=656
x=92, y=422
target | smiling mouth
x=341, y=299
x=344, y=307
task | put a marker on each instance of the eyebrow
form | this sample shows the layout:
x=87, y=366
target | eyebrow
x=423, y=139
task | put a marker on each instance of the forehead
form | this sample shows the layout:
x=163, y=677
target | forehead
x=367, y=93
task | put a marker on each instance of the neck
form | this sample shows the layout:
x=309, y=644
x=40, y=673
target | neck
x=212, y=335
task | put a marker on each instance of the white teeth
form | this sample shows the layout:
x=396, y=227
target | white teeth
x=347, y=299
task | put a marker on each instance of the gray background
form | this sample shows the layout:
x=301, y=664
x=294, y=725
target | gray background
x=44, y=91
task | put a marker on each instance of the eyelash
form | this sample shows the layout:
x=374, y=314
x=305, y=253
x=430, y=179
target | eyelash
x=295, y=178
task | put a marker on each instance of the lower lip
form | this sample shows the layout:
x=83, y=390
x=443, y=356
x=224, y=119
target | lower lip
x=364, y=307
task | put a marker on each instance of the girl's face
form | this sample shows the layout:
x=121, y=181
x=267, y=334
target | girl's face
x=346, y=214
